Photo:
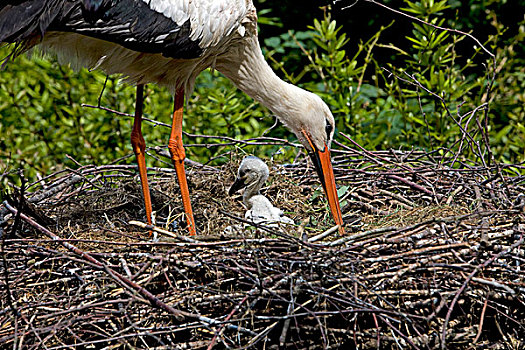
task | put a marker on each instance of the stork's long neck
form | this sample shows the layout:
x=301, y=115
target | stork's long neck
x=246, y=67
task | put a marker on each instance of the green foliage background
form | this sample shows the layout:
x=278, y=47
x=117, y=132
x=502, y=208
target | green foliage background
x=364, y=75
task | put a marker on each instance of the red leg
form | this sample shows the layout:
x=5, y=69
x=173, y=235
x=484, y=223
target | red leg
x=177, y=156
x=139, y=147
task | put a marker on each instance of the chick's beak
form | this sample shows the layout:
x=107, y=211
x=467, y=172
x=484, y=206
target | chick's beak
x=323, y=166
x=237, y=185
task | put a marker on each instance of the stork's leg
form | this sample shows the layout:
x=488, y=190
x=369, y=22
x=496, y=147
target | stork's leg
x=139, y=147
x=177, y=156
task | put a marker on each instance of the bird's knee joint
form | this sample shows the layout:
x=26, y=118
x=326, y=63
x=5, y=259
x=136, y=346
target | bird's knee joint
x=138, y=143
x=176, y=150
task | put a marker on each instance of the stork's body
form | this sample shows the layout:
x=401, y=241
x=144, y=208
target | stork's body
x=169, y=42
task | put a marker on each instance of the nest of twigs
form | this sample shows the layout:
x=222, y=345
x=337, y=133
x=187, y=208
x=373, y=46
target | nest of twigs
x=433, y=258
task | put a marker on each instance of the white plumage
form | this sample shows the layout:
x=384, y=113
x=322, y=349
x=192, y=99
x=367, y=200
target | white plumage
x=215, y=25
x=263, y=211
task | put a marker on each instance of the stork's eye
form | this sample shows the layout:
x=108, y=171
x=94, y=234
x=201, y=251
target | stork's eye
x=328, y=129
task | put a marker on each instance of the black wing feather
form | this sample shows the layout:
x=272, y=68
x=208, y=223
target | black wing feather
x=130, y=23
x=21, y=20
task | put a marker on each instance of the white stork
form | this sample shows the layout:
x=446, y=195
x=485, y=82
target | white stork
x=169, y=42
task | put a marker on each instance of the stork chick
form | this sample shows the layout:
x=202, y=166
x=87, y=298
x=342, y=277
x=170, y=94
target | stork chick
x=251, y=176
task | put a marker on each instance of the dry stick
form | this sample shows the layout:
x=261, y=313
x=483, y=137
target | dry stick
x=368, y=233
x=188, y=241
x=10, y=299
x=482, y=318
x=472, y=113
x=52, y=190
x=400, y=198
x=374, y=156
x=162, y=231
x=417, y=251
x=259, y=336
x=83, y=307
x=324, y=234
x=164, y=152
x=394, y=177
x=122, y=337
x=122, y=279
x=284, y=332
x=107, y=110
x=218, y=331
x=417, y=83
x=3, y=238
x=469, y=278
x=448, y=219
x=495, y=284
x=394, y=329
x=414, y=185
x=289, y=310
x=251, y=141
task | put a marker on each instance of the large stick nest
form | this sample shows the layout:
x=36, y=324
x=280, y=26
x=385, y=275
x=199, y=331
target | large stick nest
x=433, y=258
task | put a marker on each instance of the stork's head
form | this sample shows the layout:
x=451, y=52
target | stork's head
x=314, y=125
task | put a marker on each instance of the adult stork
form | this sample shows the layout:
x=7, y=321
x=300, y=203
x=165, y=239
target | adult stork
x=169, y=42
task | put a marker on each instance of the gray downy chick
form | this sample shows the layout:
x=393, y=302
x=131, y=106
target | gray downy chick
x=251, y=176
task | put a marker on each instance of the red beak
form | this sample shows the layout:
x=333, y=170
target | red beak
x=323, y=165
